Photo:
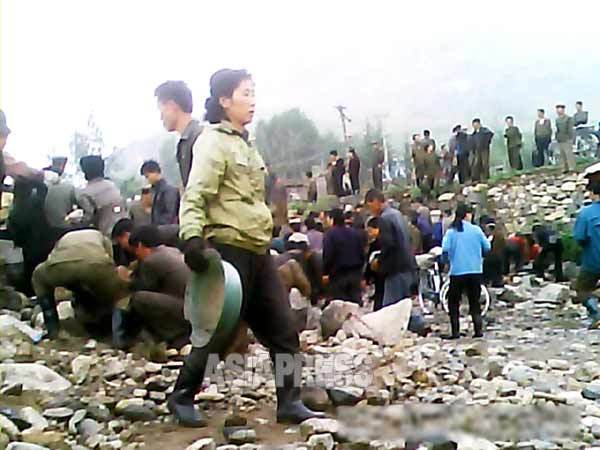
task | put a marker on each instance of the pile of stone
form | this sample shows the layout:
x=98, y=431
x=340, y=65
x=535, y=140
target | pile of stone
x=528, y=200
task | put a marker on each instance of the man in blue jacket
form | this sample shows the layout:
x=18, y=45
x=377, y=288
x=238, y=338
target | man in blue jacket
x=587, y=234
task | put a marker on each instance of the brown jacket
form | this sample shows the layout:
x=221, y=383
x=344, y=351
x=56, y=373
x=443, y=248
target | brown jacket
x=292, y=276
x=163, y=271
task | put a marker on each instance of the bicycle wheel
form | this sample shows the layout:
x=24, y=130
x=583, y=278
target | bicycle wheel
x=427, y=292
x=484, y=299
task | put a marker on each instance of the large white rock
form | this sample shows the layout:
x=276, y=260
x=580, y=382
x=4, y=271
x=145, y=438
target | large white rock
x=9, y=326
x=386, y=326
x=34, y=377
x=553, y=292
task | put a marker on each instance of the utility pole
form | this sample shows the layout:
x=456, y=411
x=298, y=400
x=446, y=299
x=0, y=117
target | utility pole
x=386, y=165
x=344, y=118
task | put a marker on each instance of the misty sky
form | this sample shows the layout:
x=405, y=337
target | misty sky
x=421, y=63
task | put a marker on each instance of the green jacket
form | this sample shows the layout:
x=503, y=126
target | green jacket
x=225, y=195
x=82, y=245
x=565, y=129
x=513, y=136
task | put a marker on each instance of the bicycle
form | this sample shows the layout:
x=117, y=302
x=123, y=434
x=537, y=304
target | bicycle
x=433, y=289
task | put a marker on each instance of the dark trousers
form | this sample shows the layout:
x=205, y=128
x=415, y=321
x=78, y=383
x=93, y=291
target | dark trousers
x=354, y=181
x=378, y=178
x=514, y=158
x=346, y=286
x=541, y=150
x=162, y=315
x=471, y=285
x=541, y=262
x=463, y=168
x=512, y=255
x=265, y=309
x=493, y=268
x=481, y=165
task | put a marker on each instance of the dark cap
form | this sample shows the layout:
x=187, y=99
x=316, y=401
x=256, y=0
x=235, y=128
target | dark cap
x=4, y=130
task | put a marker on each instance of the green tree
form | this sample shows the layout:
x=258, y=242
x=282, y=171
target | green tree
x=291, y=143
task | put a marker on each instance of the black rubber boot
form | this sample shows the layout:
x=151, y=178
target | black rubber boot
x=181, y=405
x=181, y=401
x=290, y=408
x=51, y=320
x=122, y=335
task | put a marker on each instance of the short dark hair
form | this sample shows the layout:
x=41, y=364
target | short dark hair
x=560, y=105
x=374, y=194
x=426, y=132
x=457, y=128
x=333, y=153
x=414, y=136
x=373, y=222
x=92, y=166
x=150, y=166
x=177, y=91
x=509, y=117
x=476, y=120
x=146, y=191
x=146, y=235
x=310, y=223
x=542, y=110
x=337, y=215
x=123, y=226
x=309, y=174
x=580, y=103
x=351, y=150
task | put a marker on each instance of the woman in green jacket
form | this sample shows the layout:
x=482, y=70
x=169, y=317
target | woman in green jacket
x=224, y=208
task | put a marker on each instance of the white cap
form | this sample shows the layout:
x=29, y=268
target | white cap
x=294, y=220
x=348, y=208
x=592, y=170
x=298, y=238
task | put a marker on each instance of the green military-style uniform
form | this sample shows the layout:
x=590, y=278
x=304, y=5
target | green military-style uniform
x=514, y=143
x=82, y=261
x=565, y=135
x=224, y=199
x=418, y=154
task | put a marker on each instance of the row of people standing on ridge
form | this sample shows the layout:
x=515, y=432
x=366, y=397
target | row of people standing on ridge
x=467, y=156
x=344, y=179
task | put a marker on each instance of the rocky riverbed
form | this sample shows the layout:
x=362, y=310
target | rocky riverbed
x=533, y=382
x=77, y=393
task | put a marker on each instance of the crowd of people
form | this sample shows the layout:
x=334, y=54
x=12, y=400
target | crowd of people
x=466, y=156
x=128, y=266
